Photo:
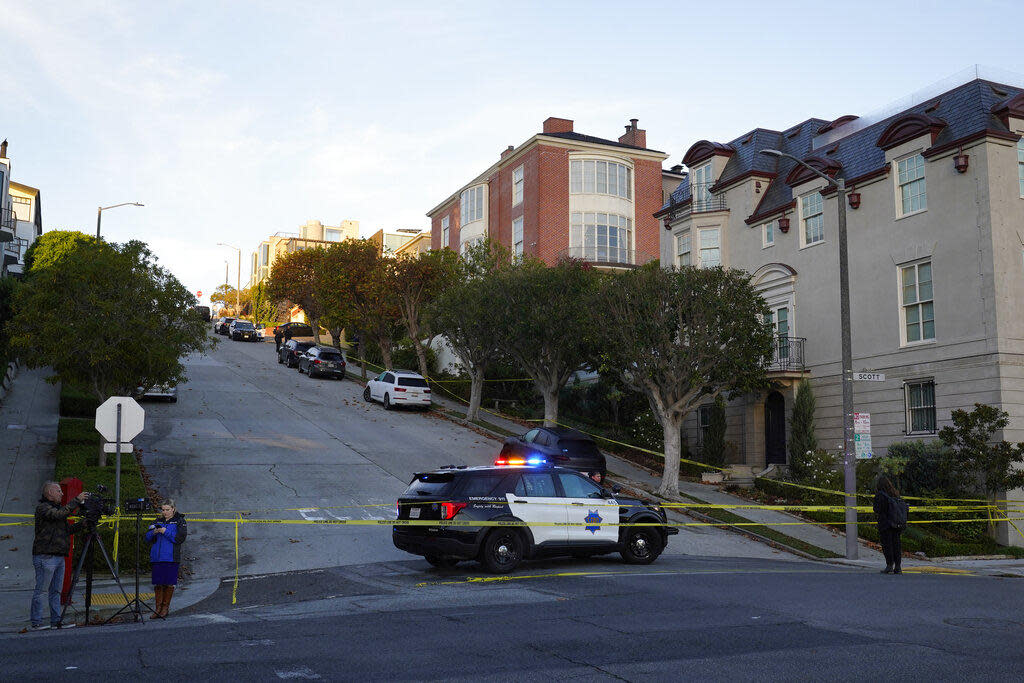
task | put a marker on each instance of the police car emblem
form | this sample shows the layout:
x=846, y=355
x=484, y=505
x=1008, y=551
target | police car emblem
x=593, y=521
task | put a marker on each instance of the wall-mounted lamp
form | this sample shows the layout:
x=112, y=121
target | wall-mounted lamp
x=960, y=162
x=757, y=187
x=784, y=224
x=668, y=224
x=854, y=198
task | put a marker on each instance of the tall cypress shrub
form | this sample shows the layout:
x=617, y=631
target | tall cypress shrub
x=714, y=445
x=801, y=424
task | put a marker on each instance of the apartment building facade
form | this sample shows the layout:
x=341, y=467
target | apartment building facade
x=936, y=261
x=562, y=194
x=311, y=234
x=21, y=217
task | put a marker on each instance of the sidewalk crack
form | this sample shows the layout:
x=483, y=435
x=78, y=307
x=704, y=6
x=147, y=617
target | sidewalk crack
x=274, y=475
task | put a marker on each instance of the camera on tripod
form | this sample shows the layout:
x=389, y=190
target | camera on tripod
x=138, y=505
x=96, y=506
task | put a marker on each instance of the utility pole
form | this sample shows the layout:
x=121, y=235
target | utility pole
x=238, y=288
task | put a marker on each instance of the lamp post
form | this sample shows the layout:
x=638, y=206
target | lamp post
x=101, y=209
x=849, y=456
x=238, y=287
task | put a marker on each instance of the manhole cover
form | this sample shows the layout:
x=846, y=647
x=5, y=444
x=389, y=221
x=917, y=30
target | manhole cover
x=984, y=623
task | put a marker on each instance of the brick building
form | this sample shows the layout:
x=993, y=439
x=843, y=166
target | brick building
x=562, y=193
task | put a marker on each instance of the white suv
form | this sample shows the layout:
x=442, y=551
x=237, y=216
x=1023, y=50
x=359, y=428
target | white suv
x=398, y=388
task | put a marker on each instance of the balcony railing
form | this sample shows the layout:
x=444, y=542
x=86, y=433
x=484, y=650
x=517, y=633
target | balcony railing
x=701, y=201
x=7, y=218
x=788, y=355
x=610, y=256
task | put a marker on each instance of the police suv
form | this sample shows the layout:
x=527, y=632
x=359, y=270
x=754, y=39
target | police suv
x=559, y=511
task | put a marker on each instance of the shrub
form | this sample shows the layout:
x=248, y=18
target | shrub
x=77, y=402
x=817, y=468
x=713, y=449
x=76, y=431
x=801, y=424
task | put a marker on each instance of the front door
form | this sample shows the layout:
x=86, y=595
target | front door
x=595, y=517
x=775, y=429
x=535, y=500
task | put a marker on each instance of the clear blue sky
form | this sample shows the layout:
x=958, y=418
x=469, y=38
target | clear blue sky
x=234, y=120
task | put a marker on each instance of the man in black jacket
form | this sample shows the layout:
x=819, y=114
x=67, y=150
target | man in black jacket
x=51, y=543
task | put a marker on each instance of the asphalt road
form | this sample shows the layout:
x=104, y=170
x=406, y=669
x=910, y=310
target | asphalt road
x=248, y=434
x=700, y=619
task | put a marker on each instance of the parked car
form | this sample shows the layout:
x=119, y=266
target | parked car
x=290, y=352
x=322, y=361
x=300, y=331
x=244, y=330
x=565, y=513
x=222, y=325
x=398, y=388
x=164, y=392
x=560, y=446
x=204, y=312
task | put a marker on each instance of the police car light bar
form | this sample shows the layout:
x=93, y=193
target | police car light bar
x=513, y=462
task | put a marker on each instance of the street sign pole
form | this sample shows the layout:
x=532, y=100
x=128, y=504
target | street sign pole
x=117, y=489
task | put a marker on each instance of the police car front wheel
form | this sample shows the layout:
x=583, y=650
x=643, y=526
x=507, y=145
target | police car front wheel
x=502, y=551
x=642, y=546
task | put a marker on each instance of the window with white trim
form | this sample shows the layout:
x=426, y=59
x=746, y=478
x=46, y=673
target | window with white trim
x=588, y=176
x=517, y=236
x=912, y=195
x=812, y=219
x=701, y=181
x=683, y=248
x=768, y=235
x=445, y=230
x=601, y=237
x=22, y=208
x=917, y=306
x=332, y=235
x=471, y=207
x=1020, y=165
x=919, y=399
x=710, y=247
x=517, y=186
x=469, y=243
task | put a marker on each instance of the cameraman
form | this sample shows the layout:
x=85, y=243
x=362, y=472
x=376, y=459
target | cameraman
x=49, y=547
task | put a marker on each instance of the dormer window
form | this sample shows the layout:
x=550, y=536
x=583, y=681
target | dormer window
x=701, y=180
x=912, y=195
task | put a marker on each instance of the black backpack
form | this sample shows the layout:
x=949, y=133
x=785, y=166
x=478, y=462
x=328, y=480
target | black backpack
x=898, y=511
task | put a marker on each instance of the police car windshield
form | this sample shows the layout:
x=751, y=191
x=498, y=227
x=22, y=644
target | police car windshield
x=243, y=325
x=430, y=484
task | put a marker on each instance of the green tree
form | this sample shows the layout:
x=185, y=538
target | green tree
x=680, y=336
x=713, y=448
x=801, y=425
x=294, y=279
x=51, y=247
x=262, y=308
x=225, y=296
x=460, y=313
x=108, y=318
x=995, y=465
x=541, y=317
x=8, y=285
x=418, y=281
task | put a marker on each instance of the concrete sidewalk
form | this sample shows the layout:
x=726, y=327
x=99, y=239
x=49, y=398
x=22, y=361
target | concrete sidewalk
x=28, y=433
x=638, y=477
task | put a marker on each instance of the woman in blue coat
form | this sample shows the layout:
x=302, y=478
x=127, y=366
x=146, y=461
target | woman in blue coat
x=165, y=537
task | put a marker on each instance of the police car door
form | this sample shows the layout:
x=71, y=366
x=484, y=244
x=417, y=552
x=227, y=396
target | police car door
x=592, y=515
x=535, y=500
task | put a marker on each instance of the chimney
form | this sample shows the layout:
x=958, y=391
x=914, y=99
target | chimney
x=556, y=125
x=508, y=150
x=3, y=149
x=634, y=136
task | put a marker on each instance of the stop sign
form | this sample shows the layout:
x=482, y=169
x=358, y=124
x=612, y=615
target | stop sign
x=133, y=418
x=199, y=293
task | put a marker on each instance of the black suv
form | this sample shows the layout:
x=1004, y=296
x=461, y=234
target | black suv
x=561, y=512
x=559, y=446
x=325, y=361
x=296, y=329
x=290, y=352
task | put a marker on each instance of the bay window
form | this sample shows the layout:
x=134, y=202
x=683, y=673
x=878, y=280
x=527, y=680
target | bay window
x=601, y=237
x=600, y=177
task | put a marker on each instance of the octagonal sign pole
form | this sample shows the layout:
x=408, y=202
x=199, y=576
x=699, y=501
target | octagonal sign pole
x=119, y=419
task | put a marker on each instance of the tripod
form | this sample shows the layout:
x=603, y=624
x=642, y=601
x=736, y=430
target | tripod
x=135, y=605
x=92, y=540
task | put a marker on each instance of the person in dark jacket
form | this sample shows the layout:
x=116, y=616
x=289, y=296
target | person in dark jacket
x=888, y=534
x=277, y=338
x=50, y=545
x=165, y=536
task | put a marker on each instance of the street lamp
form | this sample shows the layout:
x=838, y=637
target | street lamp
x=100, y=210
x=849, y=457
x=238, y=305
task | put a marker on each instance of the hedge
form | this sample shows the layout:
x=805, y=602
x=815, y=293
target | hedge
x=77, y=402
x=77, y=431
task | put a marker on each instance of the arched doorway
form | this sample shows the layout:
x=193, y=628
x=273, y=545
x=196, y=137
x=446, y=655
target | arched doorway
x=775, y=429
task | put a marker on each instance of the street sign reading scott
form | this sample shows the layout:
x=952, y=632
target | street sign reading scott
x=868, y=377
x=133, y=418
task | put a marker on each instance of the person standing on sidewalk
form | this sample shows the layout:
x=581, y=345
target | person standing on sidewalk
x=891, y=516
x=50, y=545
x=277, y=338
x=166, y=535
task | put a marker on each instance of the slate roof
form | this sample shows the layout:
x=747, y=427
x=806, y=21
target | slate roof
x=966, y=109
x=580, y=137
